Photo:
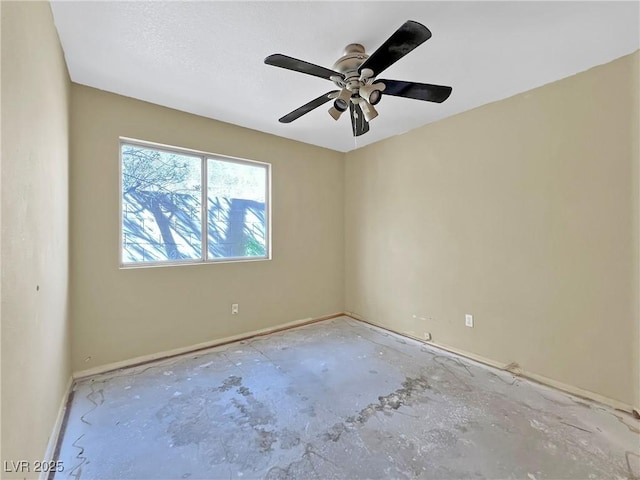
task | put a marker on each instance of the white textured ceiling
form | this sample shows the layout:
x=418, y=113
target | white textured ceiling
x=207, y=57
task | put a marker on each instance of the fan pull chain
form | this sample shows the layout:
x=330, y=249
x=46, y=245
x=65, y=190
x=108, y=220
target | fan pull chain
x=354, y=121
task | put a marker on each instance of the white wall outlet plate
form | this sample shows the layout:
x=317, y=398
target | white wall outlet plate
x=234, y=309
x=468, y=320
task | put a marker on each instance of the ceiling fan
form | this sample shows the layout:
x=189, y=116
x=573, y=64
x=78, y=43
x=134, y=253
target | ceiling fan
x=355, y=75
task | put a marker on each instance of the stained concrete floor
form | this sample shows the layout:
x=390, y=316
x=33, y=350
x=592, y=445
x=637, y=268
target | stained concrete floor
x=337, y=399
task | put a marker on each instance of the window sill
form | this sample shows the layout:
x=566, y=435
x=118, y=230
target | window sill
x=135, y=266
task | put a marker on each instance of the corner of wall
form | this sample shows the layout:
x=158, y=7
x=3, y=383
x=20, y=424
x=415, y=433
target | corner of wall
x=35, y=231
x=635, y=178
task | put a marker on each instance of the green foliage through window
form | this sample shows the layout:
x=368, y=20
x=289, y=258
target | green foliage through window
x=162, y=207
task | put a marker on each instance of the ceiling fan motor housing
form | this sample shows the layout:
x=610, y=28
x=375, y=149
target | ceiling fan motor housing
x=354, y=55
x=354, y=81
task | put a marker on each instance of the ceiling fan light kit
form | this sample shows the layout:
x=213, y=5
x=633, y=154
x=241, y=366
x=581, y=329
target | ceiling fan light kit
x=335, y=113
x=355, y=75
x=341, y=103
x=372, y=93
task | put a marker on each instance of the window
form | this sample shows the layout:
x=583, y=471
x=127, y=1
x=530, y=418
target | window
x=180, y=206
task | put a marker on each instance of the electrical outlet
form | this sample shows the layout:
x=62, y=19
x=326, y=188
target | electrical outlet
x=427, y=336
x=234, y=309
x=468, y=320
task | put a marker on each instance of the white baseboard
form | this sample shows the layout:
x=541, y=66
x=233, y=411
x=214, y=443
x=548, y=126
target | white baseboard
x=573, y=390
x=516, y=370
x=57, y=429
x=197, y=347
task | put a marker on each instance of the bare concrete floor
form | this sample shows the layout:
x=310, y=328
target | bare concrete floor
x=337, y=399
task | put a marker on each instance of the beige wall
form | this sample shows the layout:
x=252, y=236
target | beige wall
x=635, y=260
x=35, y=332
x=118, y=314
x=523, y=213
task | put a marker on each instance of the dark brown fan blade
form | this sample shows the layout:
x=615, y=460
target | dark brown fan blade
x=417, y=91
x=298, y=112
x=406, y=38
x=290, y=63
x=358, y=124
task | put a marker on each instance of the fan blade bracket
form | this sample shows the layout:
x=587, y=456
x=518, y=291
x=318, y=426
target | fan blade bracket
x=307, y=107
x=366, y=74
x=337, y=80
x=290, y=63
x=379, y=85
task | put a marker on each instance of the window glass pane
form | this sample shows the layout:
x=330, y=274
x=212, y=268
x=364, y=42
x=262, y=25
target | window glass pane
x=161, y=205
x=237, y=195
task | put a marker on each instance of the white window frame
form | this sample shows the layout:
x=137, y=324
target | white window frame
x=204, y=156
